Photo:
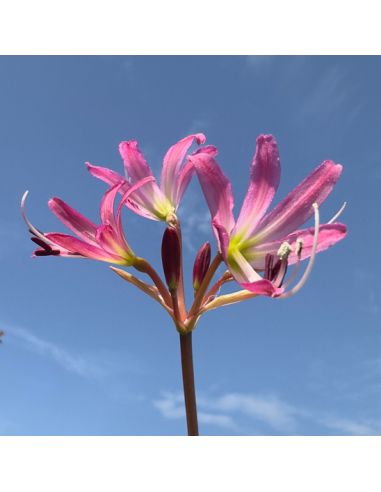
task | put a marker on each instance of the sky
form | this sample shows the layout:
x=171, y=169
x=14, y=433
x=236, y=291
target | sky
x=84, y=353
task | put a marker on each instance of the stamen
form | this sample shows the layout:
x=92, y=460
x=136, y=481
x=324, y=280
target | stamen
x=41, y=243
x=307, y=271
x=269, y=260
x=337, y=215
x=31, y=227
x=298, y=247
x=284, y=250
x=278, y=280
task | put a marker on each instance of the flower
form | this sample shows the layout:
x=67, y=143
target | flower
x=105, y=242
x=154, y=202
x=268, y=242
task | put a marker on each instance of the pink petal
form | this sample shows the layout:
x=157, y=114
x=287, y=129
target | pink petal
x=217, y=189
x=80, y=225
x=87, y=250
x=107, y=175
x=248, y=278
x=107, y=206
x=222, y=239
x=296, y=208
x=172, y=163
x=134, y=162
x=262, y=288
x=109, y=240
x=264, y=181
x=329, y=234
x=187, y=171
x=125, y=199
x=137, y=205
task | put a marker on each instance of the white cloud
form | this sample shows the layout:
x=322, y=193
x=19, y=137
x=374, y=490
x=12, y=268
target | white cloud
x=71, y=362
x=219, y=420
x=226, y=411
x=194, y=224
x=258, y=62
x=171, y=406
x=352, y=427
x=266, y=408
x=198, y=125
x=327, y=95
x=96, y=365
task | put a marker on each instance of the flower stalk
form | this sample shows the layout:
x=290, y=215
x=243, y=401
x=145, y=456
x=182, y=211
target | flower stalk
x=188, y=383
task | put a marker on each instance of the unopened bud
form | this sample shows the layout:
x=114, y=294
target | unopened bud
x=201, y=265
x=171, y=257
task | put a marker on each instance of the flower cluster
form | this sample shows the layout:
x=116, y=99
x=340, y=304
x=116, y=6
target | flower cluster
x=257, y=248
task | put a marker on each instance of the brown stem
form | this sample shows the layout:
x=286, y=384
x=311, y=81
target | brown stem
x=188, y=383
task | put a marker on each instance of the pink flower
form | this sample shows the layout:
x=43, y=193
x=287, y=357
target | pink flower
x=154, y=202
x=104, y=242
x=262, y=241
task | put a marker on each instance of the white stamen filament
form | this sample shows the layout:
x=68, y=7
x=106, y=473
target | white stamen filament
x=307, y=271
x=337, y=214
x=295, y=270
x=29, y=224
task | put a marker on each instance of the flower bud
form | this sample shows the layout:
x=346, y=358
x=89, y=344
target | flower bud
x=201, y=265
x=171, y=257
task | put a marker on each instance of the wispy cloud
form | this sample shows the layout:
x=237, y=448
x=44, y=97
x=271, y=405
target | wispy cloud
x=327, y=94
x=258, y=62
x=223, y=411
x=171, y=406
x=268, y=409
x=199, y=124
x=96, y=365
x=69, y=361
x=229, y=410
x=195, y=226
x=352, y=427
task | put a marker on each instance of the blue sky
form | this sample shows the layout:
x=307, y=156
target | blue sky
x=85, y=353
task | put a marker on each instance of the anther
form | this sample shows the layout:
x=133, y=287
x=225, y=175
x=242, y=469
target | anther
x=284, y=250
x=298, y=247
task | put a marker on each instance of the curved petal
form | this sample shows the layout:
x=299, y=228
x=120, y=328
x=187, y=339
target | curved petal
x=107, y=175
x=134, y=163
x=137, y=205
x=173, y=159
x=80, y=225
x=296, y=208
x=264, y=182
x=118, y=219
x=222, y=239
x=217, y=189
x=262, y=287
x=248, y=278
x=329, y=234
x=187, y=172
x=82, y=248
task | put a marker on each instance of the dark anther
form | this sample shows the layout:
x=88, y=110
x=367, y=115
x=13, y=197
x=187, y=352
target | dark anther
x=275, y=269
